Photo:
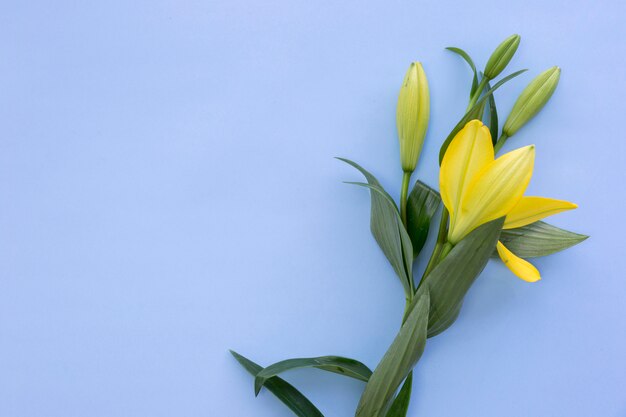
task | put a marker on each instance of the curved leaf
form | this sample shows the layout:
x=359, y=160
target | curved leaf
x=470, y=62
x=337, y=364
x=284, y=391
x=539, y=239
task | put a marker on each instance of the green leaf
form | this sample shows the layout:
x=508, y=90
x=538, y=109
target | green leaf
x=397, y=362
x=388, y=230
x=493, y=117
x=337, y=364
x=400, y=404
x=470, y=114
x=284, y=391
x=539, y=239
x=470, y=62
x=420, y=209
x=452, y=278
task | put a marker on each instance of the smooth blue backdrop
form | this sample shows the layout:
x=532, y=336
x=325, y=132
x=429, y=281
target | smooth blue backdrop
x=168, y=191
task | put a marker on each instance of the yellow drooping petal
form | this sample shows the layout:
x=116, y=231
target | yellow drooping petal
x=468, y=153
x=530, y=209
x=520, y=267
x=494, y=191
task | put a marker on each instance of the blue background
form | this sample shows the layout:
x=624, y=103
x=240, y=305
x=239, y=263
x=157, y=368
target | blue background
x=168, y=191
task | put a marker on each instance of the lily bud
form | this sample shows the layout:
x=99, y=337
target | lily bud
x=533, y=98
x=501, y=57
x=412, y=115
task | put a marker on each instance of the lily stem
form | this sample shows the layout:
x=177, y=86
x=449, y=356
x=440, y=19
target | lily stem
x=406, y=179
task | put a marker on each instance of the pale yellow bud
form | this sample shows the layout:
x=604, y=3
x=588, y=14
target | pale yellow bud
x=412, y=115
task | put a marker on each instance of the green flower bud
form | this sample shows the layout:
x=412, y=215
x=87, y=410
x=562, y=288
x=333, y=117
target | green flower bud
x=501, y=57
x=533, y=98
x=412, y=115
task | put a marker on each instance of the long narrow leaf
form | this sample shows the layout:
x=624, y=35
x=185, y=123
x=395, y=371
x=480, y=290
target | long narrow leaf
x=388, y=230
x=398, y=361
x=539, y=239
x=471, y=112
x=284, y=391
x=337, y=364
x=420, y=209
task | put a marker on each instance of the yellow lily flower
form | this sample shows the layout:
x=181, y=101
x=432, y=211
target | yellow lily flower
x=477, y=188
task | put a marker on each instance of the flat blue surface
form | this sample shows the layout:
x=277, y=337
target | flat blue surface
x=168, y=191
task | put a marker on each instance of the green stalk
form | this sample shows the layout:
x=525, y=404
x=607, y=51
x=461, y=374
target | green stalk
x=406, y=179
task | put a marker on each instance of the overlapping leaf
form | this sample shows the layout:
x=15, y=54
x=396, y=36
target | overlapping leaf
x=451, y=279
x=284, y=391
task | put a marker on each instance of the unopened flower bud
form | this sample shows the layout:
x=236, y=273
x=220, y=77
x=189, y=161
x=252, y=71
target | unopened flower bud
x=501, y=57
x=412, y=115
x=533, y=98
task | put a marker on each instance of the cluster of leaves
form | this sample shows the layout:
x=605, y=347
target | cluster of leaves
x=436, y=300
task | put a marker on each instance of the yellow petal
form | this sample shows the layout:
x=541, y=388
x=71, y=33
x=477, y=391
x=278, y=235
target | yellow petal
x=494, y=191
x=530, y=209
x=469, y=152
x=523, y=269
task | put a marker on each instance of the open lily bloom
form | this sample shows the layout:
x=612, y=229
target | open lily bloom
x=477, y=188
